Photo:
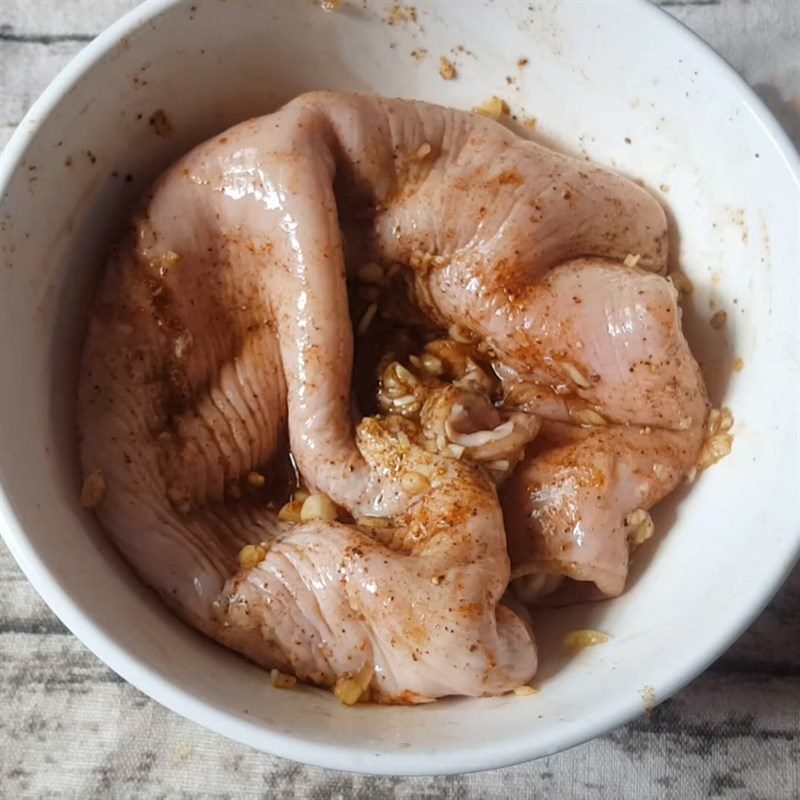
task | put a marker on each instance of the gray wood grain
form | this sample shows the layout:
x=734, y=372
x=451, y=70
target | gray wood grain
x=71, y=728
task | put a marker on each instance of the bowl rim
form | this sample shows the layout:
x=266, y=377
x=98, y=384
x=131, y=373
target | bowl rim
x=345, y=756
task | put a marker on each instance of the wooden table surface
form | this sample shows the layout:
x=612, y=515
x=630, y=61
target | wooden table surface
x=71, y=728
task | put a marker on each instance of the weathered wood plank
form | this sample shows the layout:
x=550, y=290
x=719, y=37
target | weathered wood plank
x=760, y=40
x=84, y=19
x=704, y=742
x=732, y=733
x=40, y=37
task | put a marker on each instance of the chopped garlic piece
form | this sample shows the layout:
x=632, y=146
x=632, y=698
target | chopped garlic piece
x=447, y=69
x=350, y=689
x=640, y=525
x=414, y=482
x=720, y=420
x=94, y=490
x=714, y=448
x=494, y=108
x=290, y=512
x=422, y=152
x=431, y=364
x=577, y=640
x=256, y=478
x=251, y=555
x=631, y=260
x=280, y=680
x=318, y=506
x=405, y=375
x=575, y=375
x=718, y=320
x=588, y=416
x=366, y=320
x=456, y=450
x=525, y=691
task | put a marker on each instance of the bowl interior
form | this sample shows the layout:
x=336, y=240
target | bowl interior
x=662, y=109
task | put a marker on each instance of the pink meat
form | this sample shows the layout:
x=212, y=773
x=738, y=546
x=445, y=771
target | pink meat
x=222, y=325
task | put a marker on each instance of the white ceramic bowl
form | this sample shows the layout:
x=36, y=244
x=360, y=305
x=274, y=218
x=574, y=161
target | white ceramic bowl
x=599, y=74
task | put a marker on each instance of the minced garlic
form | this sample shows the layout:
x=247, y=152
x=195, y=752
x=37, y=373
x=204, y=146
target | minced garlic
x=714, y=448
x=494, y=108
x=640, y=526
x=318, y=506
x=414, y=482
x=575, y=375
x=588, y=416
x=421, y=153
x=94, y=490
x=280, y=680
x=447, y=69
x=366, y=320
x=251, y=555
x=256, y=478
x=718, y=442
x=577, y=640
x=350, y=689
x=290, y=512
x=718, y=320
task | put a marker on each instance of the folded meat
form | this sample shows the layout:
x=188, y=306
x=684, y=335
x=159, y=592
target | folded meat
x=222, y=325
x=569, y=504
x=603, y=349
x=417, y=598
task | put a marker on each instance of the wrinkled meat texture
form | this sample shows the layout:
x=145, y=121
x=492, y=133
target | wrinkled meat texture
x=222, y=325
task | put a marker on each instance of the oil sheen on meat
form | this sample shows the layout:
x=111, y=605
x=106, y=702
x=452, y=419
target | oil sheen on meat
x=221, y=332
